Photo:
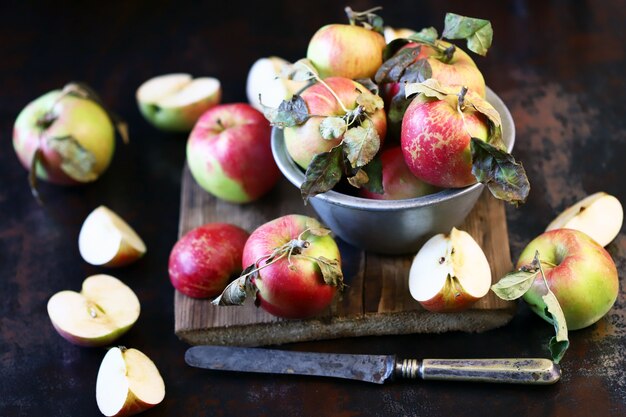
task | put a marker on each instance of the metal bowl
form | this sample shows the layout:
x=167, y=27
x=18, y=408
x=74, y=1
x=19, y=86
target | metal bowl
x=392, y=226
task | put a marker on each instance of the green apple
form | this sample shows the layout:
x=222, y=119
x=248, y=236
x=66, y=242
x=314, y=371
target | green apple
x=103, y=311
x=579, y=272
x=174, y=102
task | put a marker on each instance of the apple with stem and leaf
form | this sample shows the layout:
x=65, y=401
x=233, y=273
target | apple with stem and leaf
x=205, y=259
x=105, y=239
x=332, y=129
x=265, y=84
x=229, y=153
x=66, y=136
x=174, y=102
x=350, y=51
x=422, y=55
x=128, y=383
x=452, y=138
x=292, y=268
x=449, y=273
x=104, y=310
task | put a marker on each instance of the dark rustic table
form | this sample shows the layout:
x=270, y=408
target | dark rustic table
x=559, y=66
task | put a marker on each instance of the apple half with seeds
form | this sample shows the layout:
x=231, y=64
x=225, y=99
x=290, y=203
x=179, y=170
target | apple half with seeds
x=174, y=102
x=128, y=383
x=449, y=273
x=599, y=215
x=103, y=311
x=105, y=239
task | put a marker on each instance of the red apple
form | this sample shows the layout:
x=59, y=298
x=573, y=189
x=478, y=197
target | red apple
x=348, y=51
x=579, y=272
x=398, y=182
x=229, y=153
x=305, y=141
x=436, y=138
x=292, y=287
x=204, y=260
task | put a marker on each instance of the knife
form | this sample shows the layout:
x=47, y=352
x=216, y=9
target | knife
x=372, y=368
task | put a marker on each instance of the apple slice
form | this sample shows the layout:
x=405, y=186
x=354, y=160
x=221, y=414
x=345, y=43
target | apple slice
x=103, y=311
x=174, y=102
x=449, y=273
x=599, y=215
x=128, y=383
x=107, y=240
x=264, y=80
x=395, y=33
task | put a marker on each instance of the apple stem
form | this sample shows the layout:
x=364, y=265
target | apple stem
x=317, y=77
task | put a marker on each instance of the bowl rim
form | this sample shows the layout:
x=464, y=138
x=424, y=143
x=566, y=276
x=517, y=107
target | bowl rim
x=293, y=173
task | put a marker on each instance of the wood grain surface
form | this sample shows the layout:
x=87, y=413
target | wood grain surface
x=376, y=300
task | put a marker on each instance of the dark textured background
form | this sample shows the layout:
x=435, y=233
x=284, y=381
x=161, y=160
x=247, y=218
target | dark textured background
x=559, y=66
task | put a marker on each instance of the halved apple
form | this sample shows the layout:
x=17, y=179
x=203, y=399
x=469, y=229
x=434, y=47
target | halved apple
x=449, y=273
x=599, y=215
x=128, y=383
x=395, y=33
x=103, y=311
x=174, y=102
x=105, y=239
x=264, y=80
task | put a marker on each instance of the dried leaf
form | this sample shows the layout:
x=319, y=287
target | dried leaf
x=76, y=161
x=367, y=19
x=319, y=231
x=359, y=179
x=417, y=72
x=393, y=47
x=560, y=342
x=392, y=70
x=374, y=171
x=292, y=112
x=236, y=292
x=482, y=106
x=514, y=284
x=361, y=144
x=369, y=84
x=333, y=127
x=398, y=106
x=427, y=35
x=498, y=170
x=430, y=88
x=32, y=174
x=301, y=70
x=331, y=271
x=370, y=102
x=478, y=32
x=323, y=173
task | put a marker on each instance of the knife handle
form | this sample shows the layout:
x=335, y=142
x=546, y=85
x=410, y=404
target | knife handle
x=511, y=371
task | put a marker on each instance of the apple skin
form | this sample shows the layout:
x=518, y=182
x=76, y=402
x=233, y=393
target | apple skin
x=349, y=51
x=585, y=280
x=83, y=119
x=451, y=299
x=299, y=292
x=305, y=141
x=229, y=153
x=205, y=259
x=91, y=342
x=435, y=141
x=398, y=182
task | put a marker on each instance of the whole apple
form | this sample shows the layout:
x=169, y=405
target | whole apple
x=579, y=272
x=398, y=182
x=349, y=51
x=75, y=138
x=293, y=286
x=229, y=154
x=205, y=259
x=305, y=141
x=435, y=140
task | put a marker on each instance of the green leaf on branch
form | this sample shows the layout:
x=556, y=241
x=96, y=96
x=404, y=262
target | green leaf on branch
x=560, y=342
x=374, y=171
x=427, y=35
x=370, y=102
x=361, y=144
x=323, y=173
x=368, y=19
x=369, y=84
x=290, y=113
x=392, y=70
x=430, y=88
x=393, y=47
x=514, y=284
x=477, y=32
x=333, y=127
x=76, y=161
x=498, y=170
x=331, y=271
x=398, y=106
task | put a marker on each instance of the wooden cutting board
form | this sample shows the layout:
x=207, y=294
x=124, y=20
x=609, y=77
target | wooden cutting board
x=376, y=300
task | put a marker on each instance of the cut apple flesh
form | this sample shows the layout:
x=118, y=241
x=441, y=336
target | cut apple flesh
x=599, y=215
x=128, y=382
x=104, y=306
x=453, y=262
x=177, y=90
x=105, y=236
x=264, y=80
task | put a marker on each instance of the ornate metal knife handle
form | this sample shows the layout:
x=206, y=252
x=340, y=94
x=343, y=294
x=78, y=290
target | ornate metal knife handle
x=511, y=371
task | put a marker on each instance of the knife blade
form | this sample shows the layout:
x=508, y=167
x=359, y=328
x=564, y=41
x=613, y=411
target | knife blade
x=372, y=368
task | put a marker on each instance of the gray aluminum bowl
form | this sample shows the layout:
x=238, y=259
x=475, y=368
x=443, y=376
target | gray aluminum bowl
x=392, y=226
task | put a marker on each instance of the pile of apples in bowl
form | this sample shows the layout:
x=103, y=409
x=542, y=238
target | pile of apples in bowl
x=390, y=142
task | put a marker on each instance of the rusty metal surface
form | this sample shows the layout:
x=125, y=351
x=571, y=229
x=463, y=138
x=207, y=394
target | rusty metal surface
x=558, y=65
